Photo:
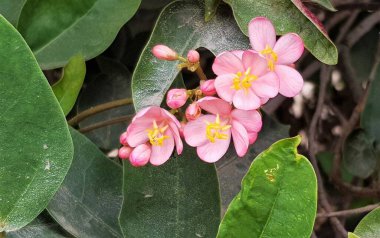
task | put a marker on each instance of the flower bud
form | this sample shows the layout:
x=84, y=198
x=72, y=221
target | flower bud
x=124, y=152
x=123, y=138
x=208, y=87
x=193, y=111
x=176, y=98
x=183, y=124
x=140, y=155
x=193, y=56
x=163, y=52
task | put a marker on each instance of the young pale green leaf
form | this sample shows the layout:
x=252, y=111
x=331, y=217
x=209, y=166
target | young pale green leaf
x=181, y=26
x=89, y=201
x=35, y=145
x=177, y=199
x=68, y=87
x=288, y=16
x=11, y=10
x=352, y=235
x=57, y=30
x=210, y=8
x=369, y=226
x=278, y=197
x=326, y=4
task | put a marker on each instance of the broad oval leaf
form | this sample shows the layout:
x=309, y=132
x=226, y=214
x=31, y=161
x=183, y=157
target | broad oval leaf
x=177, y=199
x=181, y=26
x=278, y=196
x=369, y=226
x=57, y=30
x=11, y=10
x=210, y=8
x=68, y=87
x=288, y=16
x=35, y=145
x=326, y=4
x=89, y=201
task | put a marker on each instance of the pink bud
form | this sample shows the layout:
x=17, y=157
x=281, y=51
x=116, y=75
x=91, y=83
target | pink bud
x=193, y=111
x=208, y=87
x=176, y=98
x=123, y=138
x=124, y=152
x=164, y=53
x=140, y=155
x=193, y=56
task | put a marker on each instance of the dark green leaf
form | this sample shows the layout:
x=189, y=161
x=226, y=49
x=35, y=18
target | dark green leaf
x=35, y=145
x=181, y=26
x=278, y=196
x=288, y=16
x=11, y=10
x=57, y=30
x=325, y=159
x=210, y=8
x=89, y=200
x=326, y=4
x=369, y=226
x=68, y=87
x=177, y=199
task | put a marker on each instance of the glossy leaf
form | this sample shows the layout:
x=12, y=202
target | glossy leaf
x=288, y=16
x=278, y=196
x=89, y=200
x=35, y=145
x=359, y=156
x=210, y=8
x=68, y=87
x=181, y=26
x=326, y=4
x=177, y=199
x=369, y=226
x=57, y=30
x=11, y=10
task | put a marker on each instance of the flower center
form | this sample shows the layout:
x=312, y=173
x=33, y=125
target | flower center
x=270, y=55
x=156, y=134
x=214, y=130
x=243, y=80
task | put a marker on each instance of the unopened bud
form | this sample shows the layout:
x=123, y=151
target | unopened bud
x=193, y=56
x=124, y=152
x=176, y=98
x=163, y=52
x=140, y=155
x=193, y=111
x=208, y=87
x=123, y=138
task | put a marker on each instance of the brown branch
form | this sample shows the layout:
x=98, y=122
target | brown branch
x=362, y=28
x=99, y=108
x=349, y=212
x=370, y=6
x=106, y=123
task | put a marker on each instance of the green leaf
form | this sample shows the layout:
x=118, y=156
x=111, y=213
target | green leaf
x=369, y=226
x=352, y=235
x=57, y=30
x=326, y=4
x=210, y=8
x=359, y=156
x=35, y=145
x=181, y=26
x=68, y=87
x=11, y=10
x=278, y=196
x=89, y=200
x=177, y=199
x=288, y=16
x=325, y=159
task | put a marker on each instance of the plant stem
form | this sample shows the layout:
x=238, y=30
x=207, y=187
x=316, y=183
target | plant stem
x=349, y=212
x=106, y=123
x=99, y=108
x=199, y=71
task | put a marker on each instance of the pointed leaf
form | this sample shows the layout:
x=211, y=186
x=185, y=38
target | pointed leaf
x=369, y=226
x=326, y=4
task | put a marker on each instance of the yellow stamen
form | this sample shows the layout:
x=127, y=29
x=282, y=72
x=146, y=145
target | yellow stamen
x=243, y=81
x=271, y=57
x=215, y=130
x=156, y=134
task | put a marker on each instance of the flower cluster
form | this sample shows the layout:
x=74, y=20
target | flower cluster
x=220, y=109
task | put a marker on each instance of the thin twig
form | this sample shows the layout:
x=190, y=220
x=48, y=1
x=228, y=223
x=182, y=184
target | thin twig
x=349, y=212
x=370, y=6
x=362, y=28
x=106, y=123
x=99, y=108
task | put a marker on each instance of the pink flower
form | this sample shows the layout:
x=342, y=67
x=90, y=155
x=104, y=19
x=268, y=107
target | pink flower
x=193, y=56
x=163, y=52
x=176, y=98
x=123, y=138
x=278, y=54
x=193, y=111
x=211, y=134
x=140, y=155
x=159, y=130
x=208, y=87
x=244, y=79
x=124, y=152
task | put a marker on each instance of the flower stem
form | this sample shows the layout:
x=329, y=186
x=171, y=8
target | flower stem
x=199, y=71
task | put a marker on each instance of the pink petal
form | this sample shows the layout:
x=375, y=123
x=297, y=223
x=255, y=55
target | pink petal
x=227, y=63
x=255, y=62
x=215, y=105
x=288, y=48
x=177, y=138
x=266, y=86
x=246, y=100
x=195, y=131
x=264, y=100
x=240, y=138
x=261, y=33
x=291, y=81
x=137, y=133
x=171, y=117
x=149, y=112
x=251, y=120
x=223, y=86
x=238, y=53
x=212, y=152
x=252, y=137
x=161, y=154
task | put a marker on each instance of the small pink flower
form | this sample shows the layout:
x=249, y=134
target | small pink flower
x=124, y=152
x=211, y=134
x=123, y=138
x=208, y=87
x=176, y=98
x=193, y=56
x=193, y=111
x=163, y=52
x=157, y=129
x=279, y=54
x=140, y=155
x=243, y=79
